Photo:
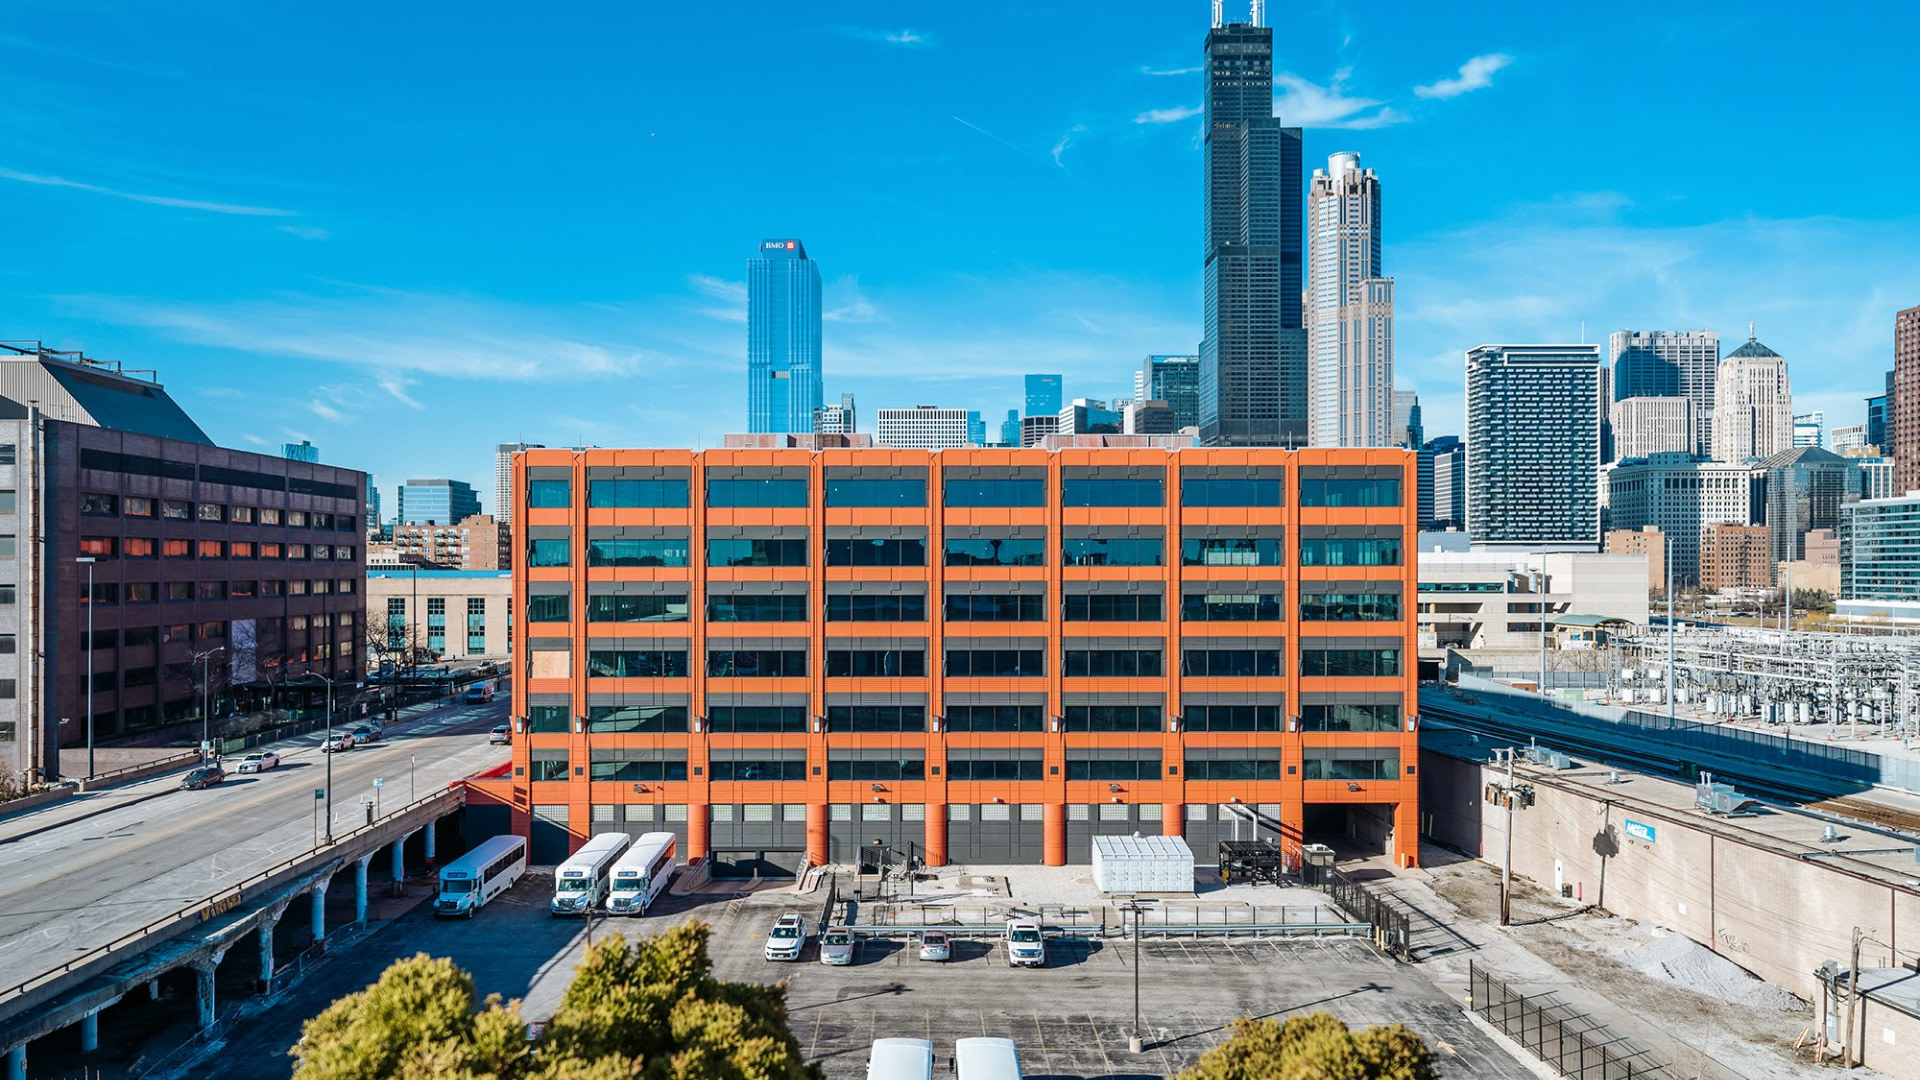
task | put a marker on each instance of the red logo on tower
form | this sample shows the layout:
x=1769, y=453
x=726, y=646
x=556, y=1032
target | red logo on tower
x=789, y=245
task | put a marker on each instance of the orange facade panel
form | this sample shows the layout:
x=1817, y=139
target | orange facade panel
x=986, y=655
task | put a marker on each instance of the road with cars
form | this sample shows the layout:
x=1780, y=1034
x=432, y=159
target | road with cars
x=84, y=871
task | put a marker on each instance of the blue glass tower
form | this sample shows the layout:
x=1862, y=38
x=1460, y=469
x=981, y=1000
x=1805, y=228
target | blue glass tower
x=784, y=386
x=436, y=501
x=1043, y=395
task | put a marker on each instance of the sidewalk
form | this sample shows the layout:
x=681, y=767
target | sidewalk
x=1684, y=1007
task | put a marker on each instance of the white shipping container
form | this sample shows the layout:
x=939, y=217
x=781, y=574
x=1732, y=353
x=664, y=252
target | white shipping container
x=1142, y=864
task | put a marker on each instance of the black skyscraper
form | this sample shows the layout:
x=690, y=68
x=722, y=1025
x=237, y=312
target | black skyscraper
x=1253, y=355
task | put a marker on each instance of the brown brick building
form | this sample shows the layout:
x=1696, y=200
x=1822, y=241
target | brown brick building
x=1735, y=557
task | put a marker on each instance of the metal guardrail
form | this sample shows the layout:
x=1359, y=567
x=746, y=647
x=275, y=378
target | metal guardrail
x=157, y=765
x=1147, y=930
x=217, y=904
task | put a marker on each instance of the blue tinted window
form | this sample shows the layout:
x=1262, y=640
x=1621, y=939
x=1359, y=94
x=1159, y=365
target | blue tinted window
x=1085, y=492
x=876, y=718
x=859, y=552
x=1247, y=492
x=1111, y=663
x=757, y=663
x=1231, y=663
x=1230, y=607
x=996, y=552
x=547, y=493
x=636, y=493
x=549, y=552
x=747, y=608
x=1231, y=551
x=1120, y=551
x=876, y=663
x=1349, y=551
x=1380, y=491
x=1360, y=663
x=661, y=608
x=996, y=492
x=756, y=553
x=1230, y=718
x=982, y=607
x=637, y=663
x=884, y=608
x=876, y=493
x=636, y=553
x=756, y=493
x=994, y=718
x=1350, y=607
x=547, y=607
x=996, y=663
x=1242, y=769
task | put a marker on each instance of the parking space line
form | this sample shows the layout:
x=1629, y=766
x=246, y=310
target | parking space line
x=1099, y=1043
x=1040, y=1036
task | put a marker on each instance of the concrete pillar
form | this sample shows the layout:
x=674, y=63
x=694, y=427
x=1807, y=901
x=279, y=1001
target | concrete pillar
x=1053, y=825
x=266, y=948
x=1173, y=819
x=153, y=989
x=90, y=1032
x=818, y=848
x=319, y=895
x=698, y=824
x=432, y=828
x=203, y=974
x=1406, y=833
x=17, y=1063
x=399, y=860
x=360, y=887
x=936, y=845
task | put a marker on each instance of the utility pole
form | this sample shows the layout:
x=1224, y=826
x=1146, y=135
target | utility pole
x=1138, y=1042
x=1513, y=796
x=1860, y=933
x=88, y=559
x=1670, y=629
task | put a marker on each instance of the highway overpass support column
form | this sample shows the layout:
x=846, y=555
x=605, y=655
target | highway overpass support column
x=319, y=895
x=399, y=860
x=17, y=1063
x=432, y=828
x=90, y=1032
x=360, y=887
x=204, y=973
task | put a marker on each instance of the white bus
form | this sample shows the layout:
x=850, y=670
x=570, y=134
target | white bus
x=642, y=873
x=468, y=882
x=900, y=1059
x=580, y=884
x=986, y=1059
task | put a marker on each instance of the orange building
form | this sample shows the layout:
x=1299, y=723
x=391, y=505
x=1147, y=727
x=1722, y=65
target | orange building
x=977, y=656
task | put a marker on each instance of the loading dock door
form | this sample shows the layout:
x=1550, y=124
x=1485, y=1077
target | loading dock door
x=744, y=865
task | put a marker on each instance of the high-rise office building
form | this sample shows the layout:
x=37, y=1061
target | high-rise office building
x=1903, y=402
x=1253, y=349
x=1668, y=363
x=300, y=451
x=1877, y=432
x=1645, y=426
x=838, y=419
x=1805, y=488
x=1409, y=430
x=503, y=478
x=1880, y=551
x=1682, y=495
x=1349, y=311
x=1810, y=429
x=436, y=501
x=1443, y=483
x=373, y=507
x=1010, y=428
x=1752, y=404
x=1084, y=416
x=1533, y=445
x=784, y=381
x=1850, y=437
x=1174, y=380
x=1043, y=395
x=924, y=427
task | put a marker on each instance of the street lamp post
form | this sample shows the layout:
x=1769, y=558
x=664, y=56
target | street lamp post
x=88, y=559
x=329, y=680
x=205, y=660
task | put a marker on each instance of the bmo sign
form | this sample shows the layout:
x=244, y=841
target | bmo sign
x=777, y=245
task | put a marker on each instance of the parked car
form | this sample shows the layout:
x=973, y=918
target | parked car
x=205, y=776
x=487, y=668
x=367, y=733
x=788, y=937
x=340, y=740
x=258, y=762
x=836, y=948
x=500, y=736
x=1025, y=947
x=935, y=946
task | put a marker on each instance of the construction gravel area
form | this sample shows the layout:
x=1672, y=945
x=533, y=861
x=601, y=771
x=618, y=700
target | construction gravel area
x=1685, y=1006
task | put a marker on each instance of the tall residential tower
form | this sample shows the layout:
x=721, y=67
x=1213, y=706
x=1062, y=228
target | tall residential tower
x=1533, y=446
x=1253, y=362
x=1902, y=418
x=784, y=386
x=1669, y=364
x=1349, y=311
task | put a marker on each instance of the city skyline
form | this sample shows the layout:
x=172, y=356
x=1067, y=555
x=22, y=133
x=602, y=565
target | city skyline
x=376, y=312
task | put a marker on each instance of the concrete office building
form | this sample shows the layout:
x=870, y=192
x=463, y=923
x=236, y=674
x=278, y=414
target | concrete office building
x=1648, y=541
x=1873, y=477
x=1443, y=484
x=1880, y=558
x=1666, y=364
x=1409, y=430
x=1533, y=446
x=1035, y=430
x=455, y=615
x=785, y=379
x=206, y=566
x=1736, y=557
x=1044, y=395
x=1644, y=426
x=503, y=478
x=1174, y=380
x=1847, y=439
x=1348, y=311
x=924, y=427
x=1489, y=601
x=1810, y=429
x=991, y=655
x=435, y=502
x=1805, y=489
x=1752, y=405
x=1903, y=401
x=1682, y=496
x=841, y=419
x=1148, y=418
x=1253, y=347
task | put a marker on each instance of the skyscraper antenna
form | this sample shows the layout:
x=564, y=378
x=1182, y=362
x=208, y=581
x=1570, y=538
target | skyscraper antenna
x=1218, y=15
x=1259, y=12
x=1750, y=336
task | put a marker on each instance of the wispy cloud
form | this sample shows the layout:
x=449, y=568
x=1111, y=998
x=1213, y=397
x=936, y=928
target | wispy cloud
x=255, y=440
x=305, y=232
x=1475, y=74
x=903, y=38
x=326, y=412
x=1169, y=116
x=1307, y=104
x=1144, y=70
x=851, y=305
x=1060, y=148
x=1015, y=147
x=395, y=334
x=731, y=294
x=44, y=180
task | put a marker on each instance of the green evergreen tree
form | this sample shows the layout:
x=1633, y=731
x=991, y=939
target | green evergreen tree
x=1315, y=1047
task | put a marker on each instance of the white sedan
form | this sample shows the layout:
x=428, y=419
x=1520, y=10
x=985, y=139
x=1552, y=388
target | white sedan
x=259, y=762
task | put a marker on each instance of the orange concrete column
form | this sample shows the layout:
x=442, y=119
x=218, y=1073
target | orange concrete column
x=1293, y=826
x=697, y=825
x=1173, y=819
x=1053, y=823
x=1406, y=833
x=936, y=843
x=817, y=845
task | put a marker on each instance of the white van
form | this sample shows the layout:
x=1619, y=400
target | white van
x=580, y=885
x=468, y=882
x=986, y=1059
x=1026, y=947
x=900, y=1059
x=642, y=874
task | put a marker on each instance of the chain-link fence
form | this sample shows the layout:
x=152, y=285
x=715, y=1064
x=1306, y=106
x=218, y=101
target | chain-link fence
x=1557, y=1034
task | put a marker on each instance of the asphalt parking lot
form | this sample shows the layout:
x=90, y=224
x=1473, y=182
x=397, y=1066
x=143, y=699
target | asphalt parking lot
x=1070, y=1019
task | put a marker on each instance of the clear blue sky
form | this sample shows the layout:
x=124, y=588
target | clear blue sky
x=409, y=231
